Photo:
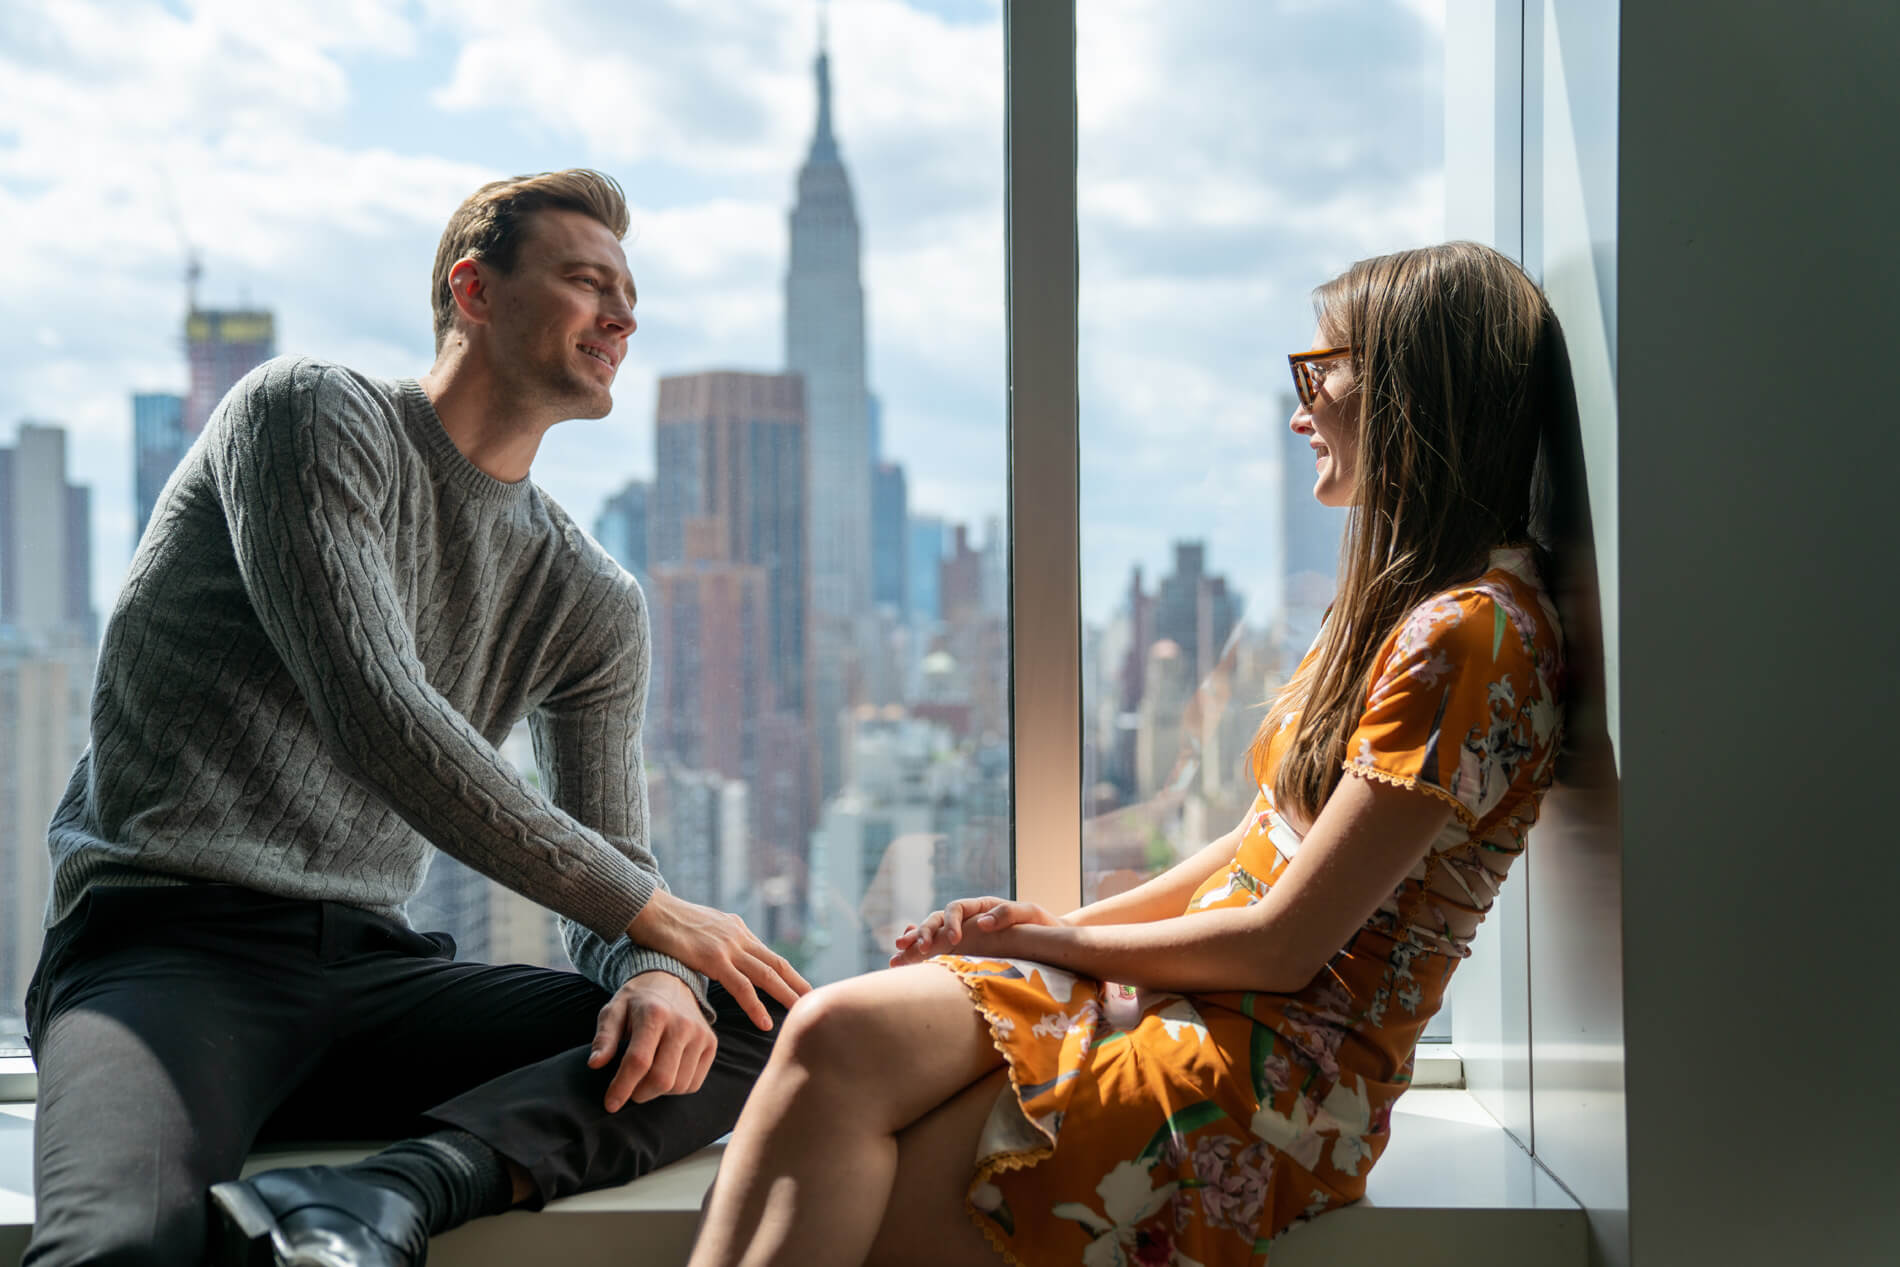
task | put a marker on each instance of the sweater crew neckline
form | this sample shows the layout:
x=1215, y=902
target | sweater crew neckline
x=446, y=459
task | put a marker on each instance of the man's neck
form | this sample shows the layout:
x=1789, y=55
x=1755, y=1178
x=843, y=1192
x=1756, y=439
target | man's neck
x=494, y=432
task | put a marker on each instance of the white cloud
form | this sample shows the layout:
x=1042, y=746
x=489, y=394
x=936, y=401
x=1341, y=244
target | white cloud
x=710, y=86
x=1233, y=155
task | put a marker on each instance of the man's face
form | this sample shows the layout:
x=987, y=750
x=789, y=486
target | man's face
x=560, y=321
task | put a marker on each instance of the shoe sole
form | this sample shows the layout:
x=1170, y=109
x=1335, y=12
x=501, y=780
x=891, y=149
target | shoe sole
x=246, y=1228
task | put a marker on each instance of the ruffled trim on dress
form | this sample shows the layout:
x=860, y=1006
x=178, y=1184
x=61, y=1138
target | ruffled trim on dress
x=1411, y=783
x=998, y=1163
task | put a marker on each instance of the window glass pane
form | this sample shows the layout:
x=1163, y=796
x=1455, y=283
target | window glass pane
x=804, y=467
x=1232, y=156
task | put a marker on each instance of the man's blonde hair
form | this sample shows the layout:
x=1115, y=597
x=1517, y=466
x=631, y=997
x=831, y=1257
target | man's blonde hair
x=492, y=223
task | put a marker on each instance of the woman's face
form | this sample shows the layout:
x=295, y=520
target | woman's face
x=1331, y=425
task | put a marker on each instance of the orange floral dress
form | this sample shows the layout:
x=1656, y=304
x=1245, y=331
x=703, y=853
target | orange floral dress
x=1152, y=1128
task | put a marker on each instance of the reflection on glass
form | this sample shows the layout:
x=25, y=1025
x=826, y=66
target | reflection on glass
x=826, y=739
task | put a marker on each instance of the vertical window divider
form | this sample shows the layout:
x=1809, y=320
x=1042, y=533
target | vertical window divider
x=1045, y=589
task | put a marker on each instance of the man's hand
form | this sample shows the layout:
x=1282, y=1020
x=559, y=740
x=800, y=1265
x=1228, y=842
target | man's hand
x=669, y=1045
x=944, y=931
x=722, y=947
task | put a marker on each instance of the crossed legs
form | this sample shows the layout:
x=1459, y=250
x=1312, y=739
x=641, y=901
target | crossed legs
x=857, y=1144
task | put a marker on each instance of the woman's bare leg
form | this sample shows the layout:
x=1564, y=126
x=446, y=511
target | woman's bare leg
x=924, y=1221
x=809, y=1172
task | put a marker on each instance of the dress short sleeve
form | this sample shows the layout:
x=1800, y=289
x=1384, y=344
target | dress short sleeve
x=1462, y=704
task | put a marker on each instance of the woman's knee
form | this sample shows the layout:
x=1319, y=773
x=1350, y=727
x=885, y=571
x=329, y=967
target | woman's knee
x=830, y=1029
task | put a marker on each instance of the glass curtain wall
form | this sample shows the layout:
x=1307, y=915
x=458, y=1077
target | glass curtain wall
x=804, y=468
x=1232, y=155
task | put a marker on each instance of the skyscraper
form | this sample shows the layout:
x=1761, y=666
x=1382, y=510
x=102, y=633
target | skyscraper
x=222, y=346
x=1194, y=609
x=924, y=548
x=890, y=538
x=824, y=341
x=47, y=633
x=42, y=731
x=710, y=706
x=727, y=550
x=700, y=837
x=158, y=445
x=960, y=577
x=730, y=462
x=45, y=541
x=711, y=679
x=621, y=527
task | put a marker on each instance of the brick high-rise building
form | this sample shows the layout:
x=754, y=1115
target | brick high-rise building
x=960, y=577
x=728, y=592
x=222, y=346
x=729, y=468
x=711, y=679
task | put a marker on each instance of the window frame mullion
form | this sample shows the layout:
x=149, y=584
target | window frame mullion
x=1045, y=590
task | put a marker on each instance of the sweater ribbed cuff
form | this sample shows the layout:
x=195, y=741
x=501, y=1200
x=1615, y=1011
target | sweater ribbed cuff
x=607, y=892
x=625, y=961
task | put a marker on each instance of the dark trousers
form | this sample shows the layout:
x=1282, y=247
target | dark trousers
x=175, y=1028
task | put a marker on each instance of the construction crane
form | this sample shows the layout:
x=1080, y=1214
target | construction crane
x=194, y=261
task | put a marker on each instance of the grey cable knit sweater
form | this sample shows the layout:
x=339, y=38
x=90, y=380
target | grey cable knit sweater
x=332, y=622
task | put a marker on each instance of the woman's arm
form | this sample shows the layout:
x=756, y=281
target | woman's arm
x=1367, y=838
x=1165, y=895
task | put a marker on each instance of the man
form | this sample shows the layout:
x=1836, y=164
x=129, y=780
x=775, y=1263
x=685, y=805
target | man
x=349, y=594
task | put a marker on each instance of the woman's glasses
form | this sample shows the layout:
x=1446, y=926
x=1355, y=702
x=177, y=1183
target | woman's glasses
x=1309, y=370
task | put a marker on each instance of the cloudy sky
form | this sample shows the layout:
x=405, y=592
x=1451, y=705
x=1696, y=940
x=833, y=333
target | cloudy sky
x=1233, y=155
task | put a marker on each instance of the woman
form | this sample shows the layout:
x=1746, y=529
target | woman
x=1239, y=1073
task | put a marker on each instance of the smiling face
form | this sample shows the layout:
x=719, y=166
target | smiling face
x=559, y=320
x=1331, y=426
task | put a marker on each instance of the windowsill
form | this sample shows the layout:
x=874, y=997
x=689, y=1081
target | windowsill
x=18, y=1081
x=1438, y=1066
x=1452, y=1187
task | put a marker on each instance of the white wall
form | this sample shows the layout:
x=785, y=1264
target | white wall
x=1707, y=195
x=1759, y=447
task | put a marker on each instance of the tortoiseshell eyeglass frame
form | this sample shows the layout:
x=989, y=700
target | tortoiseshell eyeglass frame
x=1305, y=380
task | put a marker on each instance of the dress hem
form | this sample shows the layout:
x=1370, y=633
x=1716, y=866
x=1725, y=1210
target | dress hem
x=998, y=1163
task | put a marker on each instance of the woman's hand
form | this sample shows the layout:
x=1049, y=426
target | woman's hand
x=943, y=931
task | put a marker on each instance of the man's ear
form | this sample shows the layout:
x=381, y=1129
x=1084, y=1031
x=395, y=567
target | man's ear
x=468, y=283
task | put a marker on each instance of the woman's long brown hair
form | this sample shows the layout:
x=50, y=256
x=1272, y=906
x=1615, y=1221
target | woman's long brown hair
x=1452, y=363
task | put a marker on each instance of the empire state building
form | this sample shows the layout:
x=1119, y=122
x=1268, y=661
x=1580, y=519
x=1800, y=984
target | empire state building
x=824, y=341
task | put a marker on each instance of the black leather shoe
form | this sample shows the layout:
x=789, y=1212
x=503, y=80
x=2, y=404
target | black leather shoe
x=313, y=1216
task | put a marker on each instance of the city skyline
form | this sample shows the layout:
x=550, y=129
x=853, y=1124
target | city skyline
x=752, y=527
x=351, y=142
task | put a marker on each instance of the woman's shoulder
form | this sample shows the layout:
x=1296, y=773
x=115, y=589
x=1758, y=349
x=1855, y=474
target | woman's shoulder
x=1502, y=613
x=1467, y=699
